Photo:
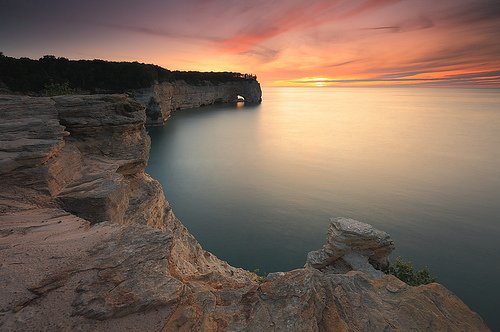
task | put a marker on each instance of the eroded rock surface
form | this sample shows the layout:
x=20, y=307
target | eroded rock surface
x=160, y=100
x=353, y=245
x=88, y=242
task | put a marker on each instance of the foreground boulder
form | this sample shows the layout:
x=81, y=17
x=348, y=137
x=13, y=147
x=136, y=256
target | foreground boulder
x=88, y=242
x=353, y=245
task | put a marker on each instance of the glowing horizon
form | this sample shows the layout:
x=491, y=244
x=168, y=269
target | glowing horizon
x=290, y=43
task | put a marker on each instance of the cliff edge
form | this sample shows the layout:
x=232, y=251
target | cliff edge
x=161, y=99
x=88, y=242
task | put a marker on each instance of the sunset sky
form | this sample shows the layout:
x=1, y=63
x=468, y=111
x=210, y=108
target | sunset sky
x=287, y=42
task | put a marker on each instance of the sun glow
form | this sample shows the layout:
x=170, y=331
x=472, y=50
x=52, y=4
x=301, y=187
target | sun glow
x=319, y=81
x=306, y=81
x=334, y=43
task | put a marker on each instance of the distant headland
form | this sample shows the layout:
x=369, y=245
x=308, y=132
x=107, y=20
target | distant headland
x=159, y=90
x=45, y=75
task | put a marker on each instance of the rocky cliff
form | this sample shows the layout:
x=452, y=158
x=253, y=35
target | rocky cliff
x=160, y=100
x=88, y=242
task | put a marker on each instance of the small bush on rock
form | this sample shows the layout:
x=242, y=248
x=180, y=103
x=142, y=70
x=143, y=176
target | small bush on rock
x=260, y=277
x=57, y=89
x=404, y=271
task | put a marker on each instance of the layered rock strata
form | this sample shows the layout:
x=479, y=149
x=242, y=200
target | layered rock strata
x=88, y=242
x=353, y=245
x=160, y=100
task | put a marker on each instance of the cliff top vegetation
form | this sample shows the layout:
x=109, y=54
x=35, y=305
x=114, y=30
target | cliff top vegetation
x=96, y=76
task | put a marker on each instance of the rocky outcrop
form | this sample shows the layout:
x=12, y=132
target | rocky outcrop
x=160, y=100
x=30, y=137
x=109, y=133
x=88, y=242
x=131, y=254
x=353, y=245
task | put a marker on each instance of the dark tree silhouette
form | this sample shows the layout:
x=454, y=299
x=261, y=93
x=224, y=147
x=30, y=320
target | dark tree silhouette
x=96, y=76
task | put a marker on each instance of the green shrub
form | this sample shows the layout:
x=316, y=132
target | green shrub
x=260, y=277
x=404, y=271
x=57, y=89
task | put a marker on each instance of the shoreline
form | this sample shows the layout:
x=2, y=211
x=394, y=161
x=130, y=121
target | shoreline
x=121, y=258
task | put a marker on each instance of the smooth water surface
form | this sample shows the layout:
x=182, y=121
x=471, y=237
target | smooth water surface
x=257, y=185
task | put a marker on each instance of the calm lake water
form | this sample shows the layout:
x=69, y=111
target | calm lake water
x=256, y=185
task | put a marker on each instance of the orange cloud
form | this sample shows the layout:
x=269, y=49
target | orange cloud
x=344, y=42
x=302, y=16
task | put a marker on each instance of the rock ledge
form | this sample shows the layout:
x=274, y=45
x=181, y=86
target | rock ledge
x=353, y=245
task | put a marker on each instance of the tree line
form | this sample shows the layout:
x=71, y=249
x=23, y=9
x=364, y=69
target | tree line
x=96, y=76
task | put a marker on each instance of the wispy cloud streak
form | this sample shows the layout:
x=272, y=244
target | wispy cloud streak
x=419, y=42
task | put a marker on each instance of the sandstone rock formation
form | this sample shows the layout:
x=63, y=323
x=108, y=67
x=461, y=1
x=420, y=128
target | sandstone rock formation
x=160, y=100
x=353, y=245
x=88, y=242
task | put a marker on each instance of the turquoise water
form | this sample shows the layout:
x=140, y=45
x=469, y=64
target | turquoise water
x=256, y=185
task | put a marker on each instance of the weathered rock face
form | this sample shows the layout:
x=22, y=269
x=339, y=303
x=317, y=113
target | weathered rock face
x=162, y=99
x=114, y=269
x=109, y=133
x=30, y=137
x=353, y=245
x=88, y=242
